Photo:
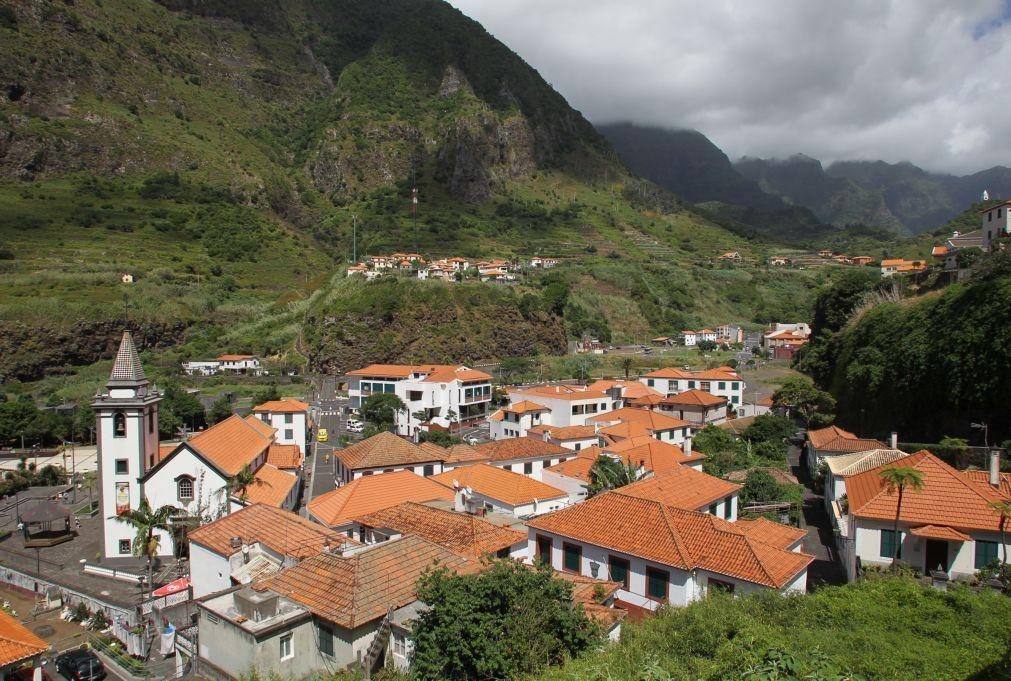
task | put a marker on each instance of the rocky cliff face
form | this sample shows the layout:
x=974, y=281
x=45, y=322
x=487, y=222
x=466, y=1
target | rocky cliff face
x=29, y=352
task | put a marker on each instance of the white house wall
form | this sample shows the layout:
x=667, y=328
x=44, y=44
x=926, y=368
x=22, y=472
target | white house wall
x=575, y=488
x=209, y=495
x=209, y=571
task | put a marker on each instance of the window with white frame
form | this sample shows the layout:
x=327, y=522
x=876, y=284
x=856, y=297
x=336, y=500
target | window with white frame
x=287, y=647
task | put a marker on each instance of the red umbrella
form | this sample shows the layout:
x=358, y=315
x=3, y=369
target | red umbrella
x=172, y=587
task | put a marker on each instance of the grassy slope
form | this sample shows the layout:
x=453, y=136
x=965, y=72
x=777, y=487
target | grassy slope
x=888, y=629
x=127, y=89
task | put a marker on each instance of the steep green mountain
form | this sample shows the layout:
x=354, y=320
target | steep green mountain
x=687, y=163
x=896, y=196
x=924, y=362
x=802, y=181
x=225, y=154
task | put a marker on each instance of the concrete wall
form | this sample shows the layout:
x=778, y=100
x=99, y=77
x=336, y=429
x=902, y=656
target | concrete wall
x=209, y=571
x=576, y=489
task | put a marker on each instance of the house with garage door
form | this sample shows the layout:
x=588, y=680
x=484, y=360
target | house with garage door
x=949, y=526
x=664, y=555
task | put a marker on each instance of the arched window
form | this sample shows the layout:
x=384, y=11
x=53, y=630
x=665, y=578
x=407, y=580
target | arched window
x=184, y=488
x=119, y=424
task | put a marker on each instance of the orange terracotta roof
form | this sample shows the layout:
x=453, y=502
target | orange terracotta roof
x=499, y=484
x=461, y=533
x=835, y=439
x=983, y=478
x=274, y=487
x=646, y=401
x=17, y=643
x=231, y=444
x=288, y=404
x=434, y=373
x=520, y=448
x=655, y=455
x=719, y=374
x=625, y=431
x=262, y=426
x=454, y=454
x=497, y=416
x=281, y=531
x=456, y=373
x=524, y=407
x=695, y=398
x=686, y=540
x=629, y=389
x=561, y=392
x=949, y=498
x=682, y=487
x=165, y=450
x=579, y=467
x=641, y=417
x=939, y=532
x=371, y=493
x=383, y=449
x=564, y=432
x=892, y=261
x=357, y=589
x=670, y=372
x=772, y=533
x=284, y=456
x=384, y=370
x=234, y=358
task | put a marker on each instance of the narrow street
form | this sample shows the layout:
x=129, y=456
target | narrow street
x=327, y=408
x=819, y=543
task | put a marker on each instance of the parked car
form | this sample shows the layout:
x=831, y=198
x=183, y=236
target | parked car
x=27, y=674
x=355, y=426
x=80, y=665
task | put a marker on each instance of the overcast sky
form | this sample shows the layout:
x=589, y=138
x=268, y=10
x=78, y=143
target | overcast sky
x=927, y=81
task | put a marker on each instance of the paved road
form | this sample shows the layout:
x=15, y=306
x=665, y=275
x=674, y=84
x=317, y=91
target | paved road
x=328, y=412
x=826, y=568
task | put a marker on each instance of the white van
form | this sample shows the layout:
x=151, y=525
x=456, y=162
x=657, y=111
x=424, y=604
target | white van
x=354, y=426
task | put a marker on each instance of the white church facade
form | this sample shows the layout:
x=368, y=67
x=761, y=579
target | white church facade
x=192, y=477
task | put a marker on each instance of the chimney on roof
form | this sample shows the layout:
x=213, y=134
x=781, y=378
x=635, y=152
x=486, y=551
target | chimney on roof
x=546, y=435
x=245, y=553
x=995, y=468
x=893, y=440
x=687, y=448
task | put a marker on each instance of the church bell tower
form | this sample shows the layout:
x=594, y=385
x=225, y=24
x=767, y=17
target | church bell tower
x=126, y=424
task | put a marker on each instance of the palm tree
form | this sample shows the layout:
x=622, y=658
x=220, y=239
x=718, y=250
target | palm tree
x=1004, y=509
x=147, y=523
x=241, y=481
x=626, y=364
x=900, y=478
x=608, y=473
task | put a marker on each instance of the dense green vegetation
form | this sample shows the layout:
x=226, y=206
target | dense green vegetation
x=507, y=621
x=224, y=163
x=926, y=365
x=881, y=629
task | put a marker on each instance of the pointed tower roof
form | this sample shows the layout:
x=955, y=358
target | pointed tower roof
x=127, y=367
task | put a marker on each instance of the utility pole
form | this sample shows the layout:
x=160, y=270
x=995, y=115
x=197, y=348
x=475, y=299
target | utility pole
x=354, y=237
x=414, y=215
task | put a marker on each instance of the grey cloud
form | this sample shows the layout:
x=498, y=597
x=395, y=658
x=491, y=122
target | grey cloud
x=918, y=80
